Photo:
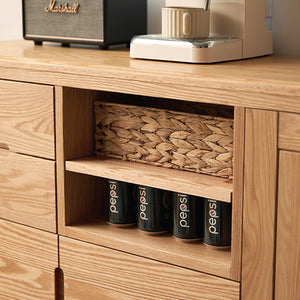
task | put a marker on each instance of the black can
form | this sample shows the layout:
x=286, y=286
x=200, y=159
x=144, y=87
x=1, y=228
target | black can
x=154, y=210
x=122, y=204
x=217, y=223
x=188, y=217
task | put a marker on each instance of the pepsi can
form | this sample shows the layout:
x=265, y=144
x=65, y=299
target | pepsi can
x=154, y=210
x=122, y=204
x=217, y=223
x=188, y=217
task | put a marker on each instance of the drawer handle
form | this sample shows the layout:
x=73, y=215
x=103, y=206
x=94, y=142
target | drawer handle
x=4, y=150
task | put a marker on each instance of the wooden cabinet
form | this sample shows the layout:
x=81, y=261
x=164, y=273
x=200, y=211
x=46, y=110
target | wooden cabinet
x=52, y=180
x=81, y=194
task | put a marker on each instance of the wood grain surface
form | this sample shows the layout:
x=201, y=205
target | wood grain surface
x=27, y=190
x=270, y=82
x=287, y=278
x=174, y=180
x=289, y=131
x=164, y=248
x=260, y=185
x=27, y=118
x=74, y=138
x=238, y=193
x=28, y=258
x=93, y=272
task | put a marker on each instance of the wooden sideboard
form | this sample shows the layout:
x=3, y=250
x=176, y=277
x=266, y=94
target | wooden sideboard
x=54, y=242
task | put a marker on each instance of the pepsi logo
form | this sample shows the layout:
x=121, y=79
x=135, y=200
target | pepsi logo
x=213, y=217
x=143, y=203
x=184, y=211
x=183, y=207
x=113, y=193
x=212, y=213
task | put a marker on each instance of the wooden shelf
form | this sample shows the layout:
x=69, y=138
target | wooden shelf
x=157, y=177
x=164, y=248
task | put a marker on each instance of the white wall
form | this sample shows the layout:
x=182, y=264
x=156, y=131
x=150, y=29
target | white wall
x=286, y=23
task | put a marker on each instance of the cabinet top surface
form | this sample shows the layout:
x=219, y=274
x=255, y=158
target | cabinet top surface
x=271, y=82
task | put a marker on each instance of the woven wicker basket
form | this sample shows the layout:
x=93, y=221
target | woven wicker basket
x=178, y=140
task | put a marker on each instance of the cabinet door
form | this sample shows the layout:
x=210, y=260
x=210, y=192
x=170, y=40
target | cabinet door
x=287, y=278
x=27, y=190
x=28, y=259
x=92, y=272
x=27, y=118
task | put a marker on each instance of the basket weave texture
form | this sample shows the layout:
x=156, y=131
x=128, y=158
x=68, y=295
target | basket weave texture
x=171, y=139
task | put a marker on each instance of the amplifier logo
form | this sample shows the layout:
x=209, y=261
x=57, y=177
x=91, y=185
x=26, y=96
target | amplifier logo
x=213, y=217
x=113, y=197
x=184, y=211
x=62, y=8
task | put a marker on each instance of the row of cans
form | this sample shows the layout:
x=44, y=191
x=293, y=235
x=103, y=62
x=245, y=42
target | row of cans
x=157, y=211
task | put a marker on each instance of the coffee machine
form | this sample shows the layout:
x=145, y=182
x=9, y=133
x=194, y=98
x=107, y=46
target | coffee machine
x=204, y=31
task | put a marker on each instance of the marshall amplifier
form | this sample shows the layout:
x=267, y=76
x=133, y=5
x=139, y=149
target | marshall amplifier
x=100, y=22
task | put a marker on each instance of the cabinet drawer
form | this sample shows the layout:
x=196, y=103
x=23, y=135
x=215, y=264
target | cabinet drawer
x=27, y=190
x=287, y=276
x=27, y=118
x=28, y=258
x=94, y=272
x=289, y=131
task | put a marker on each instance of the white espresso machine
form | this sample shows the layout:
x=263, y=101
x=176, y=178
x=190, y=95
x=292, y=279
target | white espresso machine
x=200, y=31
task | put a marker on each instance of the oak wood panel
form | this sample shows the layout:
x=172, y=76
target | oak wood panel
x=158, y=177
x=287, y=280
x=93, y=272
x=238, y=194
x=270, y=82
x=289, y=131
x=27, y=118
x=164, y=248
x=24, y=282
x=74, y=138
x=260, y=184
x=28, y=258
x=27, y=190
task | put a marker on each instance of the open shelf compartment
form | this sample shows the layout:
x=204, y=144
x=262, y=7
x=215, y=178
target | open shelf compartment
x=81, y=180
x=85, y=220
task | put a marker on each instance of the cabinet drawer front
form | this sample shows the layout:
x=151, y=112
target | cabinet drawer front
x=27, y=190
x=289, y=131
x=28, y=258
x=287, y=276
x=94, y=272
x=27, y=118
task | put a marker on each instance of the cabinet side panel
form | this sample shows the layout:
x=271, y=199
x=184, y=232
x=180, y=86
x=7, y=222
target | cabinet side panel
x=260, y=182
x=238, y=194
x=74, y=138
x=288, y=227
